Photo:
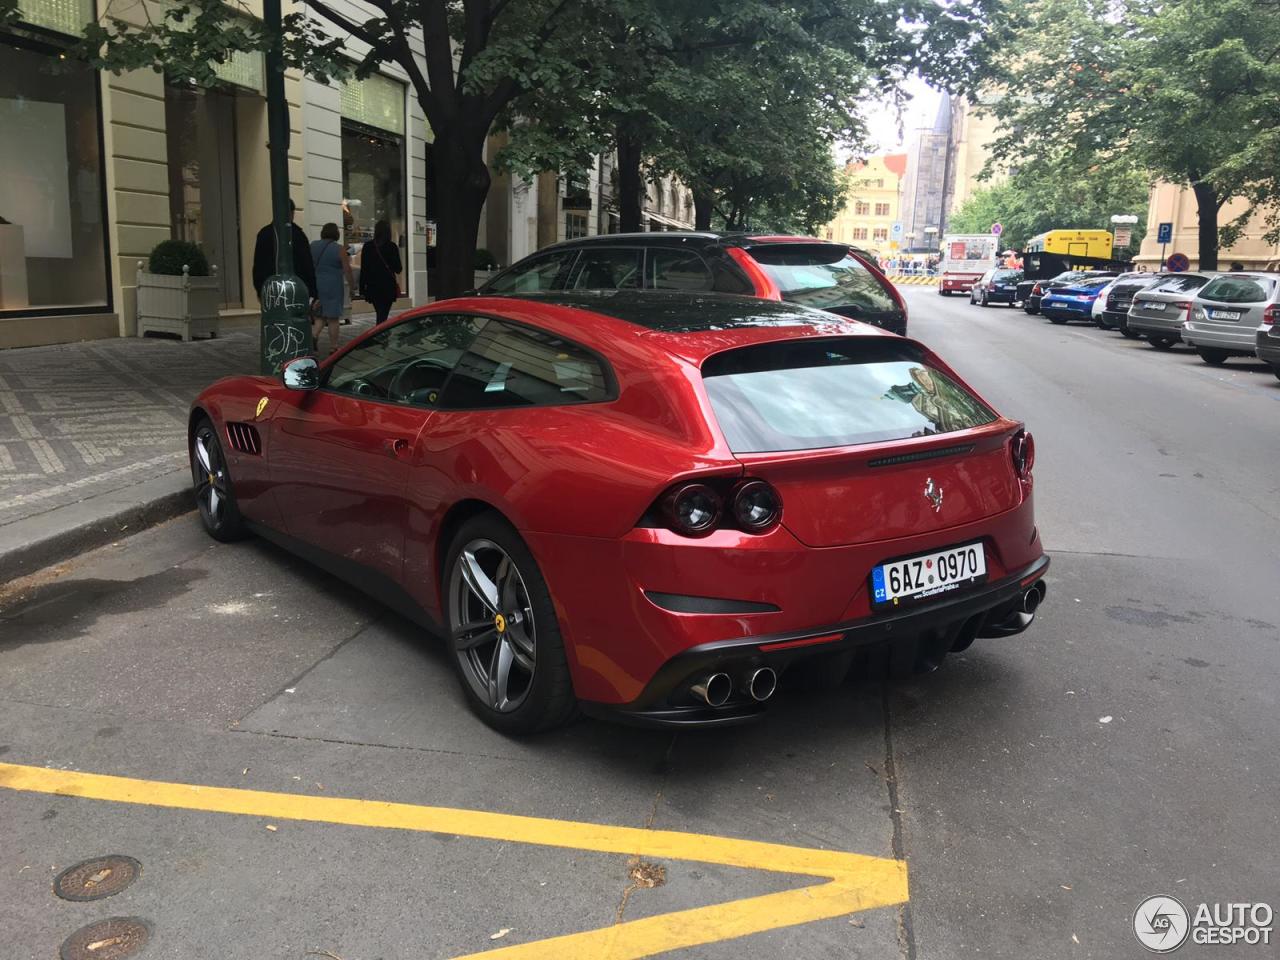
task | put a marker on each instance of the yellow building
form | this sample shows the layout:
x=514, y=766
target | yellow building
x=873, y=205
x=1177, y=205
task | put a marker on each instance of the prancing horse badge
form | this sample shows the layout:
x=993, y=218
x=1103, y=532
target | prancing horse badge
x=934, y=493
x=262, y=405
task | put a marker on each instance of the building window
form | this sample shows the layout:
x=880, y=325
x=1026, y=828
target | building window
x=880, y=183
x=575, y=225
x=372, y=186
x=881, y=233
x=200, y=130
x=861, y=208
x=859, y=233
x=53, y=240
x=882, y=209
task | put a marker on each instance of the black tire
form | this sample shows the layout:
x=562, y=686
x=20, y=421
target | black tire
x=1161, y=343
x=986, y=301
x=1030, y=310
x=1215, y=358
x=1125, y=332
x=1058, y=320
x=945, y=293
x=1275, y=368
x=211, y=481
x=546, y=697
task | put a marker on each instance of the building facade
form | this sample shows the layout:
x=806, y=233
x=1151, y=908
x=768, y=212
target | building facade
x=1171, y=203
x=924, y=185
x=872, y=205
x=974, y=128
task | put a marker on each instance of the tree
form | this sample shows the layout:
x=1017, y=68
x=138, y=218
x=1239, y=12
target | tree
x=1036, y=199
x=1105, y=87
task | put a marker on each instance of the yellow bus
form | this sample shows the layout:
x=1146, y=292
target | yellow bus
x=1076, y=243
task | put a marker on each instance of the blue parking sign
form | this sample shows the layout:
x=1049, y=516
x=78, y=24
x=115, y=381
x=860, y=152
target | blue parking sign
x=1165, y=233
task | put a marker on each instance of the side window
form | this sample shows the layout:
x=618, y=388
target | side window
x=608, y=268
x=511, y=366
x=538, y=274
x=678, y=270
x=408, y=362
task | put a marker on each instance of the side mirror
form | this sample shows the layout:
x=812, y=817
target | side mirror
x=301, y=373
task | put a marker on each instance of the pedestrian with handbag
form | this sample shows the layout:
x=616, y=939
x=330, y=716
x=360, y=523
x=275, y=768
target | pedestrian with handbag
x=380, y=267
x=333, y=269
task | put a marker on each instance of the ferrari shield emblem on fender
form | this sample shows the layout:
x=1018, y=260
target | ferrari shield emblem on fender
x=934, y=494
x=262, y=405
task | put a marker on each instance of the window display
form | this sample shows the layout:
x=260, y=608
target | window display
x=372, y=187
x=53, y=248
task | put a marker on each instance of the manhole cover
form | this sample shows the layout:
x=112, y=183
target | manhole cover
x=112, y=939
x=97, y=878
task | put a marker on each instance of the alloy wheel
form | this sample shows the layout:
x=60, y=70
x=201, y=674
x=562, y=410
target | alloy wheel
x=209, y=477
x=492, y=625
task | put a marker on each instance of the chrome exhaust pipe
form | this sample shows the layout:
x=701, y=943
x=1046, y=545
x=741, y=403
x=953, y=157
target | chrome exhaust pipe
x=1031, y=599
x=762, y=683
x=715, y=690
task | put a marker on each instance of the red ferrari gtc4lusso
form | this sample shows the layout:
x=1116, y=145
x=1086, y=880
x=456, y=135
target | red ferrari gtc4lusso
x=644, y=505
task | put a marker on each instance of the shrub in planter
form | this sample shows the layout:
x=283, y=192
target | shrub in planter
x=170, y=256
x=484, y=260
x=175, y=302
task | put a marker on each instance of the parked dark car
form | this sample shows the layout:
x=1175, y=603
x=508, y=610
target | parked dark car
x=816, y=273
x=1031, y=299
x=1115, y=312
x=996, y=286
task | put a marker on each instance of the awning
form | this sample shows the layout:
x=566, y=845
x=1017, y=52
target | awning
x=668, y=221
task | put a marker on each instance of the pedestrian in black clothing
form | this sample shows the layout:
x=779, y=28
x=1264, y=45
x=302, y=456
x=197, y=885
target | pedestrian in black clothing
x=264, y=257
x=379, y=266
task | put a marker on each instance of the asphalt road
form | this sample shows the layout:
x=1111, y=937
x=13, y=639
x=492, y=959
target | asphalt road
x=1032, y=825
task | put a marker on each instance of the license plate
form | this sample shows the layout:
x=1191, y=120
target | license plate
x=1151, y=306
x=928, y=574
x=1226, y=314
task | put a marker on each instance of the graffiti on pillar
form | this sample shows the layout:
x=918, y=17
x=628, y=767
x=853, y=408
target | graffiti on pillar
x=284, y=341
x=281, y=293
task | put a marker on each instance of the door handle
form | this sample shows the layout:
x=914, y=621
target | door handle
x=396, y=447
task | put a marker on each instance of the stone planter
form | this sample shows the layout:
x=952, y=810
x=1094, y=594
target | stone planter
x=186, y=305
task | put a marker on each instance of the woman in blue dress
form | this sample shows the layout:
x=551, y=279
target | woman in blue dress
x=333, y=267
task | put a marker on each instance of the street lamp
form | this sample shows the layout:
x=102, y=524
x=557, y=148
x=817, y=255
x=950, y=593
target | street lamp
x=930, y=237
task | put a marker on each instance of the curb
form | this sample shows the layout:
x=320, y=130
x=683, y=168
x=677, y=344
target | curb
x=34, y=543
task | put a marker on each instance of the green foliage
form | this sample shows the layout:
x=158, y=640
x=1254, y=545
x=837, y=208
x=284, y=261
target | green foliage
x=169, y=257
x=1036, y=199
x=484, y=260
x=1176, y=88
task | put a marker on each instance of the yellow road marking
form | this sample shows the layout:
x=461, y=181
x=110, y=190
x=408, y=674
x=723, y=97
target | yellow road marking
x=855, y=881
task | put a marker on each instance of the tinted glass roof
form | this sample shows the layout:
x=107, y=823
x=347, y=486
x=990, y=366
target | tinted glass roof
x=686, y=312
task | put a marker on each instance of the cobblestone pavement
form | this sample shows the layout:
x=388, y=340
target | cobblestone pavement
x=79, y=420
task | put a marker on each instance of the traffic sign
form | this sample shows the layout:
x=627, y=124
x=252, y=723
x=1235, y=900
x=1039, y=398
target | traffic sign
x=1165, y=233
x=896, y=230
x=1123, y=236
x=1177, y=262
x=997, y=228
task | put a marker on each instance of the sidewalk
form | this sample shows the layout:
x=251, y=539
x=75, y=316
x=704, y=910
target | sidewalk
x=93, y=437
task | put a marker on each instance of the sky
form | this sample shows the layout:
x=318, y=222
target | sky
x=882, y=118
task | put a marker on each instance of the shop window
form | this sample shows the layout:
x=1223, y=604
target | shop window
x=53, y=245
x=204, y=196
x=372, y=186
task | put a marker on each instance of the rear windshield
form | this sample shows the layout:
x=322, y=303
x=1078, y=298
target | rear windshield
x=1239, y=289
x=805, y=394
x=823, y=277
x=1180, y=284
x=1007, y=276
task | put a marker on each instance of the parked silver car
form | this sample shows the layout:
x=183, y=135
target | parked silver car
x=1159, y=311
x=1227, y=313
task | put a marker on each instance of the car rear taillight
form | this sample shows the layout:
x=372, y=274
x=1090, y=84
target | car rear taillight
x=1036, y=291
x=1183, y=305
x=756, y=506
x=1271, y=315
x=696, y=509
x=692, y=509
x=1023, y=451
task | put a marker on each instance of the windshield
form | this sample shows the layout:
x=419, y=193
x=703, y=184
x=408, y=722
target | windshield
x=823, y=277
x=1007, y=276
x=1239, y=289
x=1183, y=283
x=800, y=395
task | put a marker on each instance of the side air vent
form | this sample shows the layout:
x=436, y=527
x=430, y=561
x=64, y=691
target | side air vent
x=244, y=437
x=921, y=455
